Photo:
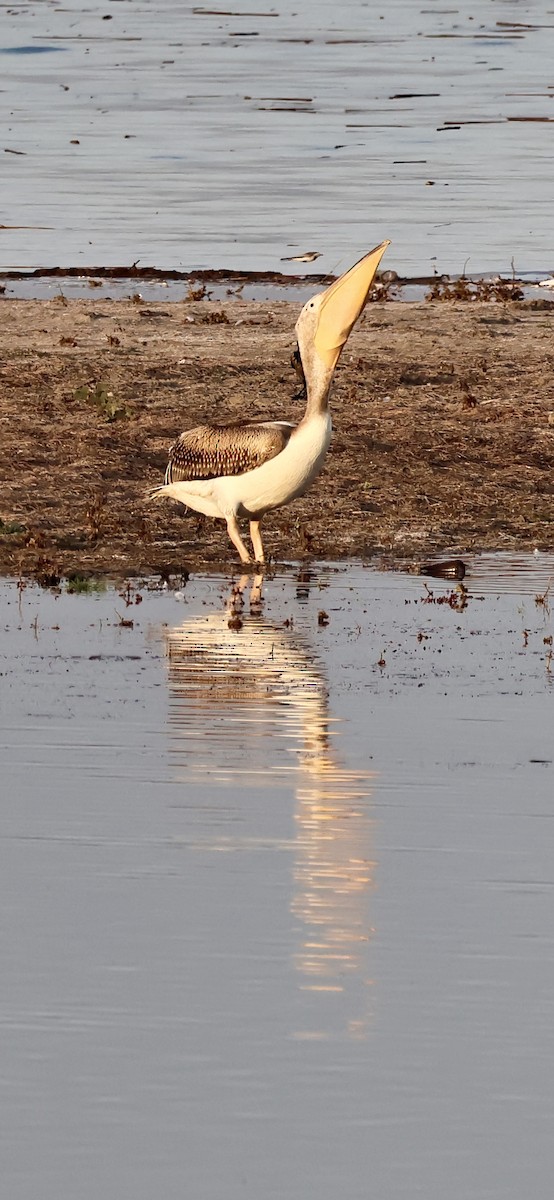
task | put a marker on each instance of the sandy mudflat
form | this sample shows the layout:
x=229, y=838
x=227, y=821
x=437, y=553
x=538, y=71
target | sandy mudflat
x=443, y=416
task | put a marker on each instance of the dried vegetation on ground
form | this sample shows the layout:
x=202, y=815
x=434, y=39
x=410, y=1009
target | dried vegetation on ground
x=443, y=416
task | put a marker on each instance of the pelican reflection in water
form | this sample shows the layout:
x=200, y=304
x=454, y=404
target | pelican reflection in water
x=249, y=707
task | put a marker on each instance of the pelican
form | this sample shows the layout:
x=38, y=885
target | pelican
x=246, y=470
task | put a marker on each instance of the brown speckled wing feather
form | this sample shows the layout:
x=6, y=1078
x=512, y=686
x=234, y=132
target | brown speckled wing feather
x=210, y=451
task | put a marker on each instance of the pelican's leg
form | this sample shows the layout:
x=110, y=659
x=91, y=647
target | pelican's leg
x=234, y=534
x=256, y=538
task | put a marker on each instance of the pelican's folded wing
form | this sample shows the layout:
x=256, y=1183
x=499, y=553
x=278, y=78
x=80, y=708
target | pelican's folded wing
x=210, y=451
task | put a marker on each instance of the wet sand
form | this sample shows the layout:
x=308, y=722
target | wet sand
x=444, y=431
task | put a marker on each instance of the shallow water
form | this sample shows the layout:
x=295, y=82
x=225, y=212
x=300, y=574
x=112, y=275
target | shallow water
x=277, y=898
x=297, y=291
x=215, y=137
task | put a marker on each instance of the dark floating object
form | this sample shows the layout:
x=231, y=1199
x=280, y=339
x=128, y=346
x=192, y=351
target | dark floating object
x=219, y=12
x=133, y=271
x=31, y=49
x=412, y=95
x=451, y=568
x=536, y=120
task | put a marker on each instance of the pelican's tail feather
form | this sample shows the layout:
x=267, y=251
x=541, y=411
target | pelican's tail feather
x=156, y=493
x=169, y=491
x=181, y=490
x=196, y=494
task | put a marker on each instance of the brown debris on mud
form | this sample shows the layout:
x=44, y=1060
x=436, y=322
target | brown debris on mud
x=443, y=416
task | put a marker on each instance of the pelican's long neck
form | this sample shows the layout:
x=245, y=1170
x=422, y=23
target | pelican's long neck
x=317, y=401
x=319, y=379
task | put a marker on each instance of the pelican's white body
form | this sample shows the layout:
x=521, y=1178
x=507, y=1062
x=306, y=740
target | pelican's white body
x=322, y=330
x=269, y=486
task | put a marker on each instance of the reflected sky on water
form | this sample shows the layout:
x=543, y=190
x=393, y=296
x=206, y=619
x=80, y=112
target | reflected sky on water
x=276, y=884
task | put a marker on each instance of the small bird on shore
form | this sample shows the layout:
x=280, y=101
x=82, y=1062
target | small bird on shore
x=308, y=257
x=248, y=469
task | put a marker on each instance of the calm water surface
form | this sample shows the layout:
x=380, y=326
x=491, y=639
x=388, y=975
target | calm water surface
x=277, y=899
x=230, y=137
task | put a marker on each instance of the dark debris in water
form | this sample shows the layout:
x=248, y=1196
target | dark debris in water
x=452, y=568
x=78, y=584
x=444, y=287
x=456, y=599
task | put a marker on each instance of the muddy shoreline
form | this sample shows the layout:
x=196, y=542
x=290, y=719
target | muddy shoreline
x=443, y=415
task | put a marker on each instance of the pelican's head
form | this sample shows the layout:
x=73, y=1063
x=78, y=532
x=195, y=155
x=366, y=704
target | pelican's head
x=326, y=321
